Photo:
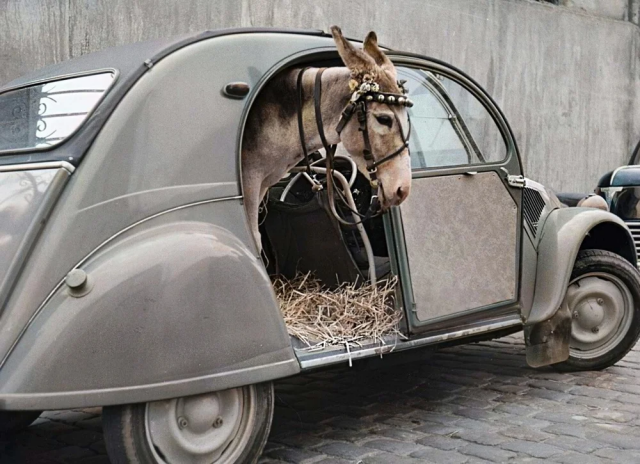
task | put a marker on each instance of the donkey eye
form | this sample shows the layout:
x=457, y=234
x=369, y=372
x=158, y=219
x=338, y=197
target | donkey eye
x=384, y=119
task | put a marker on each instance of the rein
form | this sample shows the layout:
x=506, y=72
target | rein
x=368, y=91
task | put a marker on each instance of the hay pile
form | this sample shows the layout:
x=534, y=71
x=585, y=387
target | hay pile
x=348, y=315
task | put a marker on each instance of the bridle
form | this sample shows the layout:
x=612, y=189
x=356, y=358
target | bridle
x=368, y=91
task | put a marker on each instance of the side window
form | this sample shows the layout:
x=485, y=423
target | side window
x=450, y=127
x=44, y=115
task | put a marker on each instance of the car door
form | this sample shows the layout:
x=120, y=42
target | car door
x=457, y=237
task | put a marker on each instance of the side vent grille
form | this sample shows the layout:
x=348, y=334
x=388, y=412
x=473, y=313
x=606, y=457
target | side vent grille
x=634, y=227
x=533, y=206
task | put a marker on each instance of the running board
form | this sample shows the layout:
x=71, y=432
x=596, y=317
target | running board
x=311, y=360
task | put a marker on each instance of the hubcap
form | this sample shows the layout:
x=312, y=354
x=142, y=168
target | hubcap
x=601, y=307
x=202, y=429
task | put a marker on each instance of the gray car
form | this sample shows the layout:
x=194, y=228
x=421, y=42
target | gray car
x=129, y=278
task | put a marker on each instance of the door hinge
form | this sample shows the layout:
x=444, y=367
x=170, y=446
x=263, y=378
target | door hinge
x=516, y=181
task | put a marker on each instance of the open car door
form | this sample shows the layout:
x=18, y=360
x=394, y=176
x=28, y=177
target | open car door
x=457, y=237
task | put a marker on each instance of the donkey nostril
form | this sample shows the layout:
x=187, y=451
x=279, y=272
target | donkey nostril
x=401, y=193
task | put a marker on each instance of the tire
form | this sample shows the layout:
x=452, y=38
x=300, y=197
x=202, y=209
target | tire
x=174, y=431
x=604, y=291
x=14, y=421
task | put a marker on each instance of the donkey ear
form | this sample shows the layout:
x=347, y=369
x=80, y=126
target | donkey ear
x=372, y=49
x=355, y=59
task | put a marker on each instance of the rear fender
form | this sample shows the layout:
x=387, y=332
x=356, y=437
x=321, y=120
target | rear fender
x=177, y=309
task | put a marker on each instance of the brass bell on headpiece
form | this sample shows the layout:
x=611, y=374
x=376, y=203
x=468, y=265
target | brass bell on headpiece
x=391, y=99
x=381, y=98
x=369, y=98
x=401, y=100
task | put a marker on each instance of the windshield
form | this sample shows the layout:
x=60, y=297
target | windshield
x=44, y=115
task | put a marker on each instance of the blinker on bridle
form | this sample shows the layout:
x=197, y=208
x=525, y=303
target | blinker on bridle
x=367, y=92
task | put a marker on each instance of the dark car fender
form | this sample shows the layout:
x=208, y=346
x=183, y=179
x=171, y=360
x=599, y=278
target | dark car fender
x=177, y=309
x=565, y=232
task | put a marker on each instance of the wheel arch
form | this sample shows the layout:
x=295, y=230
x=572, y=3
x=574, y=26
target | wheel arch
x=565, y=232
x=613, y=237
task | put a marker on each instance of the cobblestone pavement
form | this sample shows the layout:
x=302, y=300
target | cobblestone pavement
x=468, y=404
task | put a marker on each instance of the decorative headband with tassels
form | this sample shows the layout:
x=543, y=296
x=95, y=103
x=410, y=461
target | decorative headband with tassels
x=370, y=90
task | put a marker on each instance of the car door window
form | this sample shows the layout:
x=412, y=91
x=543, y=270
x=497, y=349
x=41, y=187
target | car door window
x=451, y=127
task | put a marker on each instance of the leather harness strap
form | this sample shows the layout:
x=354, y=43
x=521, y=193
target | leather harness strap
x=299, y=107
x=317, y=101
x=368, y=91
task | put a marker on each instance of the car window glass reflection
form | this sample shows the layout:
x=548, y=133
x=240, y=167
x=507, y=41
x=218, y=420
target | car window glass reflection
x=44, y=115
x=452, y=127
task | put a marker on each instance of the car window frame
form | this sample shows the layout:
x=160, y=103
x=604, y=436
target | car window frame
x=458, y=123
x=511, y=160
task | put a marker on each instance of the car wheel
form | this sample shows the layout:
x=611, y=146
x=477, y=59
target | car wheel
x=13, y=421
x=604, y=299
x=225, y=427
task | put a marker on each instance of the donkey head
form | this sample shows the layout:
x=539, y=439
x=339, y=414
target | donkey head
x=387, y=125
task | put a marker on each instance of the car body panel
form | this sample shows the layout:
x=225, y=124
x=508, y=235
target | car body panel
x=528, y=276
x=477, y=255
x=621, y=190
x=129, y=175
x=159, y=320
x=147, y=160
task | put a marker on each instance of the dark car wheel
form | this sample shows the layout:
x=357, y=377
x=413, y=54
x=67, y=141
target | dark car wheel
x=604, y=299
x=225, y=427
x=13, y=421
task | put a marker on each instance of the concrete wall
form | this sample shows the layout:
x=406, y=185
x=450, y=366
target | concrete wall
x=614, y=9
x=568, y=78
x=634, y=11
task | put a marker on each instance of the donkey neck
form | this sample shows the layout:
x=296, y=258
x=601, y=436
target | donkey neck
x=334, y=97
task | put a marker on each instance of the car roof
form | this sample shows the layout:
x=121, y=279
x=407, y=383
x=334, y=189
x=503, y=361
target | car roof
x=132, y=58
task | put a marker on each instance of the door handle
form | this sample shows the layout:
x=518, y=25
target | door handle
x=471, y=173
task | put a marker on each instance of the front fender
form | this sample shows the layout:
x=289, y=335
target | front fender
x=174, y=310
x=565, y=232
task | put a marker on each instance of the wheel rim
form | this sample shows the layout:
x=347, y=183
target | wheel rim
x=202, y=429
x=601, y=309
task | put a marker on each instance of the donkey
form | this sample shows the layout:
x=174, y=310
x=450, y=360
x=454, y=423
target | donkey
x=272, y=141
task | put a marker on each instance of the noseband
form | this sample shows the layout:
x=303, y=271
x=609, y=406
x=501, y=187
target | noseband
x=367, y=92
